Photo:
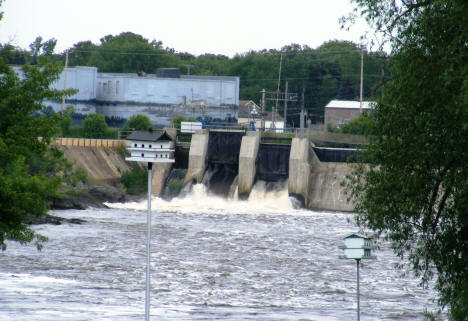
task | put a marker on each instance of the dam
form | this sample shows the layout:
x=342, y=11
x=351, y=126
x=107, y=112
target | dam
x=229, y=163
x=232, y=161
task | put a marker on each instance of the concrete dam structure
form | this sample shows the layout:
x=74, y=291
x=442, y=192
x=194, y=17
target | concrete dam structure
x=230, y=161
x=237, y=159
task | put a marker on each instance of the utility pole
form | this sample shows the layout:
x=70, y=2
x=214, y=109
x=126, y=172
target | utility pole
x=285, y=104
x=148, y=245
x=302, y=111
x=263, y=109
x=279, y=96
x=277, y=91
x=188, y=69
x=360, y=89
x=64, y=81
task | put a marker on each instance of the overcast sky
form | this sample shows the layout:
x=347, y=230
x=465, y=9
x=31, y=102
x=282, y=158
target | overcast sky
x=195, y=26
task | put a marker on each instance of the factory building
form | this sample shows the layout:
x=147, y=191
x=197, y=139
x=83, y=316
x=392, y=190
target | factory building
x=167, y=87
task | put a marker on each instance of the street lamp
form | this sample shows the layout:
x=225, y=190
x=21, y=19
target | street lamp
x=149, y=147
x=357, y=247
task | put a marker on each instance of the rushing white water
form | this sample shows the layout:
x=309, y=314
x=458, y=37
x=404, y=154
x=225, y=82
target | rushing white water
x=199, y=199
x=212, y=259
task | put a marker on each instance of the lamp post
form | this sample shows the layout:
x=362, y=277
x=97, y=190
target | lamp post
x=357, y=247
x=149, y=147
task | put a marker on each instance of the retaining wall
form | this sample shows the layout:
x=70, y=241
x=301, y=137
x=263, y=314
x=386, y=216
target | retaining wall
x=102, y=164
x=88, y=142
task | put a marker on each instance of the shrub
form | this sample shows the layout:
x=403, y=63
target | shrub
x=135, y=181
x=177, y=120
x=94, y=126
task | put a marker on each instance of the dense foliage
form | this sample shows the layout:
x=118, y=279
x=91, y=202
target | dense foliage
x=28, y=166
x=362, y=125
x=95, y=126
x=135, y=181
x=331, y=71
x=414, y=190
x=138, y=122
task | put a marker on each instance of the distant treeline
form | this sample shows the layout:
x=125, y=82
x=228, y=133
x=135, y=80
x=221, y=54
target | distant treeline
x=331, y=71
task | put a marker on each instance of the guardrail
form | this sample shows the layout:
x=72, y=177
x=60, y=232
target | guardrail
x=88, y=142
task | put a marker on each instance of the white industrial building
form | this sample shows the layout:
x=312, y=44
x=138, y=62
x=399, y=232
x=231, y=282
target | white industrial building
x=212, y=90
x=81, y=78
x=145, y=88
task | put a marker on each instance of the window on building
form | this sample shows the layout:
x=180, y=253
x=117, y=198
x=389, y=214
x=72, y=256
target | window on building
x=142, y=155
x=161, y=146
x=136, y=145
x=166, y=155
x=150, y=146
x=143, y=145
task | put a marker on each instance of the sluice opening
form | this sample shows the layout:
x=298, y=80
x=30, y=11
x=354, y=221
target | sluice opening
x=219, y=178
x=273, y=162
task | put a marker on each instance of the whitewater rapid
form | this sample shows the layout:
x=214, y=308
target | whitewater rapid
x=212, y=259
x=261, y=200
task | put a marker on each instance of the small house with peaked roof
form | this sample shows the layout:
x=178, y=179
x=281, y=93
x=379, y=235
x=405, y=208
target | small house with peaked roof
x=150, y=146
x=249, y=111
x=339, y=112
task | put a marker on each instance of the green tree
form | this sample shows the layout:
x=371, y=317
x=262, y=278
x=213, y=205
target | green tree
x=138, y=122
x=66, y=121
x=48, y=47
x=176, y=121
x=36, y=47
x=129, y=52
x=414, y=188
x=95, y=126
x=81, y=53
x=28, y=166
x=361, y=125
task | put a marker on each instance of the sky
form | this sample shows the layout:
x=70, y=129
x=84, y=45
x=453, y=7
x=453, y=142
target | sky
x=222, y=27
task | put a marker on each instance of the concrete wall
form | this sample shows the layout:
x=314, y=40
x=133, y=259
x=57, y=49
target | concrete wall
x=174, y=91
x=326, y=192
x=247, y=168
x=104, y=165
x=317, y=184
x=302, y=161
x=197, y=156
x=160, y=173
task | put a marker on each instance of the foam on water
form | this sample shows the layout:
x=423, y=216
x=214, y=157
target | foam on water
x=261, y=200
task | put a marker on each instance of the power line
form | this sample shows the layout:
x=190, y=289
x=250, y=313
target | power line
x=148, y=52
x=310, y=78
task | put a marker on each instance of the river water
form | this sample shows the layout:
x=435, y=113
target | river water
x=212, y=259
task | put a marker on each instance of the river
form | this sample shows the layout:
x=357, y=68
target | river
x=212, y=259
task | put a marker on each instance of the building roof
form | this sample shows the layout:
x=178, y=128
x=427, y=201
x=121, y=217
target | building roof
x=355, y=236
x=350, y=104
x=148, y=136
x=248, y=109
